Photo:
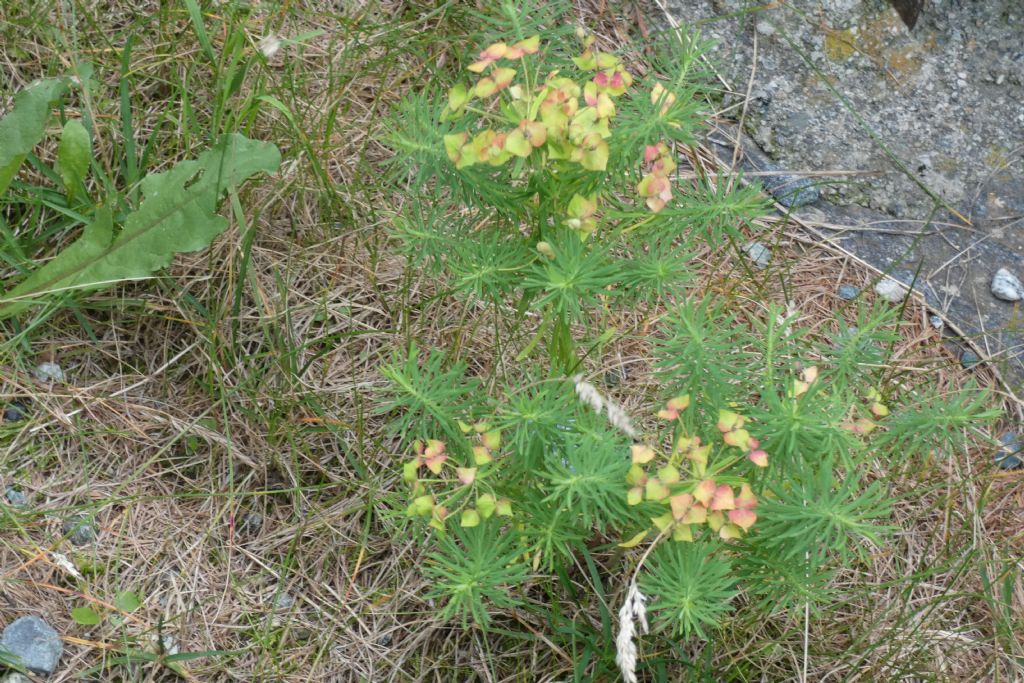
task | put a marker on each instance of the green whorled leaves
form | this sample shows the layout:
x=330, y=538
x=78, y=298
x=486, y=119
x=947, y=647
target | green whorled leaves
x=24, y=126
x=176, y=215
x=475, y=569
x=428, y=395
x=73, y=155
x=692, y=587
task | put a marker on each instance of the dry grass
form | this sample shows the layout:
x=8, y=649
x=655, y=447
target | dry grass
x=185, y=417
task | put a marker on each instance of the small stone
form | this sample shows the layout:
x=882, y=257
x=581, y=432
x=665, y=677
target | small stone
x=1006, y=286
x=792, y=191
x=79, y=529
x=968, y=359
x=15, y=497
x=34, y=642
x=936, y=322
x=15, y=412
x=758, y=253
x=49, y=373
x=615, y=377
x=848, y=292
x=1008, y=457
x=284, y=601
x=764, y=28
x=891, y=290
x=15, y=677
x=163, y=644
x=250, y=524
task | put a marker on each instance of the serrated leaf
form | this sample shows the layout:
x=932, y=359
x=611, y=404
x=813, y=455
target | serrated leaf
x=73, y=155
x=86, y=616
x=177, y=215
x=24, y=126
x=127, y=601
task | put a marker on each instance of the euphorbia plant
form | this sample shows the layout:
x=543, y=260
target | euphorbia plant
x=561, y=156
x=547, y=181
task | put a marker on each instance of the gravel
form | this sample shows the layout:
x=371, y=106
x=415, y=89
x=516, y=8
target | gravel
x=15, y=677
x=969, y=359
x=790, y=191
x=250, y=524
x=79, y=529
x=1008, y=457
x=848, y=292
x=48, y=373
x=758, y=253
x=35, y=643
x=891, y=290
x=15, y=497
x=15, y=412
x=1006, y=286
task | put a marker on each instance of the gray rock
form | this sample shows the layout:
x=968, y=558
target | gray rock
x=15, y=497
x=250, y=524
x=792, y=191
x=15, y=412
x=758, y=253
x=969, y=359
x=48, y=373
x=284, y=601
x=615, y=377
x=936, y=322
x=848, y=292
x=891, y=290
x=163, y=644
x=79, y=529
x=764, y=28
x=34, y=642
x=1006, y=286
x=1008, y=457
x=978, y=174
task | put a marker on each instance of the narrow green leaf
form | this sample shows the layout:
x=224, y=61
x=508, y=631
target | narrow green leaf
x=23, y=127
x=86, y=616
x=177, y=215
x=73, y=155
x=196, y=15
x=127, y=601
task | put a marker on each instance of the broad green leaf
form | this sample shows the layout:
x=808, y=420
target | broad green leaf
x=23, y=127
x=176, y=215
x=73, y=155
x=127, y=601
x=86, y=616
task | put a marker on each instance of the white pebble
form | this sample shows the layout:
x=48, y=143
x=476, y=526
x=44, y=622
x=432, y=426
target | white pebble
x=891, y=290
x=49, y=373
x=1006, y=286
x=764, y=28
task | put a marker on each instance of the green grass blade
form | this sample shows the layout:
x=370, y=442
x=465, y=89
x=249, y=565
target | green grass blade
x=196, y=15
